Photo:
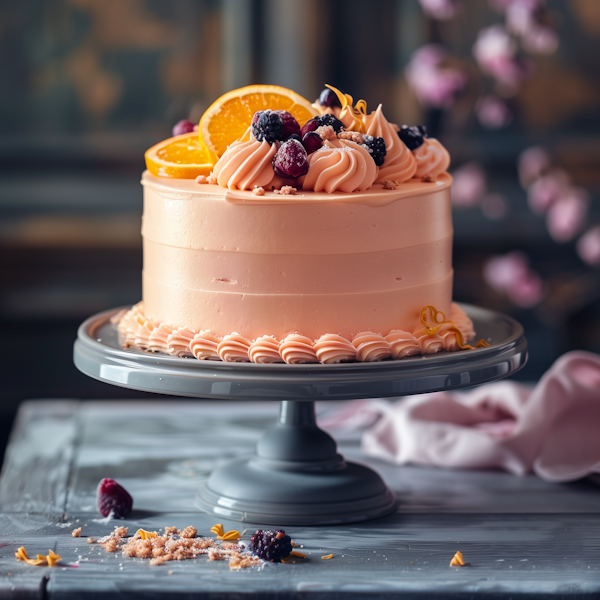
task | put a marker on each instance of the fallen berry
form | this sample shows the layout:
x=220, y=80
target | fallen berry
x=412, y=136
x=290, y=125
x=184, y=126
x=113, y=498
x=271, y=545
x=291, y=160
x=329, y=99
x=267, y=126
x=376, y=147
x=312, y=142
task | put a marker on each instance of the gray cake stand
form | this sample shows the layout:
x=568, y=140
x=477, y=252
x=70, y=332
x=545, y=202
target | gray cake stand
x=297, y=476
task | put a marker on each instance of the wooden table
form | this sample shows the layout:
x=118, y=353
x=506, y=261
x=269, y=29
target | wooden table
x=521, y=537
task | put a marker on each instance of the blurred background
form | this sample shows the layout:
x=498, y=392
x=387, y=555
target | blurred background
x=511, y=87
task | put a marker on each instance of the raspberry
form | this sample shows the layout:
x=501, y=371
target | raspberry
x=111, y=497
x=184, y=126
x=376, y=147
x=329, y=99
x=312, y=142
x=412, y=136
x=290, y=125
x=291, y=160
x=267, y=126
x=271, y=546
x=322, y=121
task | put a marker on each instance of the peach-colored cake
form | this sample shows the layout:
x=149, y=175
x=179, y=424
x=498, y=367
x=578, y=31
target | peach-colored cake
x=257, y=263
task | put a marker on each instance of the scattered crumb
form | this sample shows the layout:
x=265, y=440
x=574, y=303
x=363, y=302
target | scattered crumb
x=258, y=191
x=328, y=556
x=112, y=544
x=428, y=178
x=90, y=540
x=189, y=532
x=121, y=531
x=201, y=179
x=242, y=561
x=353, y=136
x=171, y=530
x=211, y=179
x=170, y=572
x=160, y=560
x=457, y=560
x=326, y=132
x=390, y=184
x=215, y=555
x=76, y=532
x=286, y=190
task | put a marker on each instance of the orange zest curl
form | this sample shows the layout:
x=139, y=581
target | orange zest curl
x=41, y=561
x=229, y=536
x=358, y=110
x=327, y=557
x=147, y=535
x=439, y=318
x=457, y=560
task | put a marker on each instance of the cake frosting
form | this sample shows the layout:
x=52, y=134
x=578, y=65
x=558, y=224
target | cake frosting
x=336, y=260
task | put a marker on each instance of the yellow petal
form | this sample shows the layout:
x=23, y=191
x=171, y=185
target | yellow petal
x=217, y=529
x=147, y=535
x=327, y=556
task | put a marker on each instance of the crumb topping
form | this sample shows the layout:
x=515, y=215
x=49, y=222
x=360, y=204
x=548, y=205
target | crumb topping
x=390, y=184
x=76, y=532
x=258, y=191
x=286, y=190
x=201, y=179
x=326, y=132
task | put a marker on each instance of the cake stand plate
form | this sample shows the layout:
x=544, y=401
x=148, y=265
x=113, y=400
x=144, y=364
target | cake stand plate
x=296, y=476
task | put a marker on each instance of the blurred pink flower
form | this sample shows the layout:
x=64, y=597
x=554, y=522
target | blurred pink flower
x=493, y=112
x=545, y=190
x=588, y=246
x=531, y=163
x=469, y=185
x=439, y=9
x=566, y=217
x=493, y=206
x=540, y=39
x=510, y=274
x=434, y=85
x=503, y=5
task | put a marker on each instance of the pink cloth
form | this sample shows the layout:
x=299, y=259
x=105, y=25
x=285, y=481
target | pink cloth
x=552, y=429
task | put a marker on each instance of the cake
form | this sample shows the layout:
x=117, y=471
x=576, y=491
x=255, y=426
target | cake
x=320, y=236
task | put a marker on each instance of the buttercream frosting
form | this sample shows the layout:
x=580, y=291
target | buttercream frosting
x=332, y=348
x=179, y=342
x=265, y=349
x=143, y=333
x=432, y=159
x=402, y=343
x=159, y=338
x=204, y=346
x=234, y=348
x=371, y=347
x=399, y=164
x=297, y=349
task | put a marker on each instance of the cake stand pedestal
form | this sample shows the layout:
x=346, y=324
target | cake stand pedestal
x=296, y=476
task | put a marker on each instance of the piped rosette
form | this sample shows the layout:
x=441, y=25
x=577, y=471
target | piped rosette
x=432, y=159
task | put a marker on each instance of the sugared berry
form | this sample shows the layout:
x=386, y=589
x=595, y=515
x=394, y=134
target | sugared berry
x=310, y=125
x=312, y=142
x=184, y=126
x=325, y=120
x=113, y=498
x=290, y=125
x=423, y=130
x=376, y=147
x=294, y=136
x=271, y=546
x=411, y=136
x=329, y=99
x=267, y=126
x=291, y=160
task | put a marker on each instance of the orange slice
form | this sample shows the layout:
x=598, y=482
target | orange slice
x=182, y=156
x=228, y=118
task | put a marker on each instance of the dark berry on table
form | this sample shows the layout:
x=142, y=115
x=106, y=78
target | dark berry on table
x=271, y=546
x=291, y=160
x=294, y=136
x=310, y=125
x=184, y=126
x=113, y=498
x=329, y=99
x=267, y=126
x=290, y=125
x=411, y=136
x=312, y=142
x=376, y=148
x=325, y=120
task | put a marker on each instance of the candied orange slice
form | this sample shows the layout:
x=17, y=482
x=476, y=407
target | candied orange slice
x=228, y=118
x=182, y=156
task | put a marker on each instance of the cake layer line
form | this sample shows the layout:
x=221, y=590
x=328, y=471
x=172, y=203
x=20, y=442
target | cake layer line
x=313, y=314
x=206, y=222
x=297, y=274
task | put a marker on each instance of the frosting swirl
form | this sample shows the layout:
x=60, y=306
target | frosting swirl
x=341, y=166
x=234, y=348
x=246, y=165
x=179, y=342
x=204, y=346
x=399, y=163
x=332, y=349
x=143, y=332
x=432, y=159
x=371, y=347
x=428, y=344
x=265, y=349
x=158, y=341
x=402, y=343
x=297, y=349
x=462, y=322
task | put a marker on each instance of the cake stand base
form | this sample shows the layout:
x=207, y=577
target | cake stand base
x=296, y=478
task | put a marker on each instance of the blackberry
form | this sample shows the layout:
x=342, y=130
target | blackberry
x=329, y=98
x=376, y=147
x=267, y=126
x=271, y=546
x=290, y=125
x=412, y=136
x=325, y=120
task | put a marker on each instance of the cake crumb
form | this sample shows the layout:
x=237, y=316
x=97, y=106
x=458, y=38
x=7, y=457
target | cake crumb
x=353, y=136
x=112, y=544
x=160, y=560
x=428, y=178
x=189, y=532
x=211, y=179
x=201, y=179
x=90, y=540
x=286, y=190
x=170, y=572
x=390, y=184
x=121, y=532
x=171, y=530
x=215, y=555
x=242, y=561
x=76, y=532
x=326, y=132
x=258, y=191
